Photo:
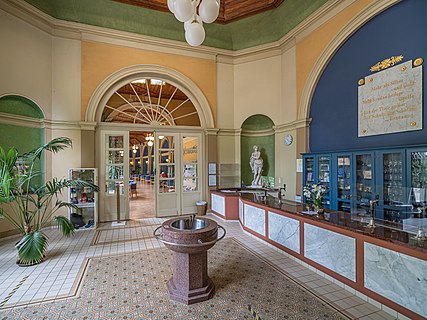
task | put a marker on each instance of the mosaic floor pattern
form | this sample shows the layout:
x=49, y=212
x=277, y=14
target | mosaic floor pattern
x=133, y=286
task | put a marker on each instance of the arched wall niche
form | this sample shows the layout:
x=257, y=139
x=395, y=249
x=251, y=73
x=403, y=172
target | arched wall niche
x=23, y=133
x=119, y=78
x=257, y=130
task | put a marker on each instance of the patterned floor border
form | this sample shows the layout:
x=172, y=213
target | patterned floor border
x=95, y=240
x=78, y=283
x=74, y=292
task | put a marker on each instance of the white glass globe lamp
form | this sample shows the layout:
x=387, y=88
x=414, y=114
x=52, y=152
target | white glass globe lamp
x=171, y=5
x=183, y=10
x=188, y=22
x=209, y=10
x=195, y=34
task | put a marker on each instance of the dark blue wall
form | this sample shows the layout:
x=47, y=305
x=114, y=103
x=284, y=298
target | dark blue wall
x=400, y=30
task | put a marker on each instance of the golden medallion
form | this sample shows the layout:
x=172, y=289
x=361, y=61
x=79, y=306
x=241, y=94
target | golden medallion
x=361, y=82
x=418, y=62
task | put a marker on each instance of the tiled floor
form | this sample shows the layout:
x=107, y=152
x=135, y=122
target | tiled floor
x=141, y=204
x=58, y=276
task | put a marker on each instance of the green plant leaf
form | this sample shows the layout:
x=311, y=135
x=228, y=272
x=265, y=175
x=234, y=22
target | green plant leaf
x=32, y=247
x=65, y=225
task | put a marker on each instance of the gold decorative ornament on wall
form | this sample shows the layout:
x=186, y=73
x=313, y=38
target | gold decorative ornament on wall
x=413, y=123
x=418, y=62
x=361, y=82
x=371, y=79
x=403, y=68
x=386, y=63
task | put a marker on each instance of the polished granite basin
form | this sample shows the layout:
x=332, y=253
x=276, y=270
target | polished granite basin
x=190, y=224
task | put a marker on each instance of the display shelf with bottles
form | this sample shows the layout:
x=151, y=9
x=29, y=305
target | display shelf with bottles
x=324, y=176
x=398, y=177
x=84, y=198
x=364, y=181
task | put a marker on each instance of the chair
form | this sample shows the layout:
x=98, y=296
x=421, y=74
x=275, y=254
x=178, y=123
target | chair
x=133, y=190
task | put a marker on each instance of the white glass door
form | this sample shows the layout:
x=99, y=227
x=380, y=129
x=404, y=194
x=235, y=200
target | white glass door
x=191, y=173
x=167, y=177
x=114, y=176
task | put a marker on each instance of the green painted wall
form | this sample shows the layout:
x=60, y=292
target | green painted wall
x=24, y=139
x=20, y=106
x=252, y=31
x=266, y=145
x=257, y=122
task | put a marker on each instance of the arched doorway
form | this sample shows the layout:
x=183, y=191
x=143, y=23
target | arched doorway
x=171, y=108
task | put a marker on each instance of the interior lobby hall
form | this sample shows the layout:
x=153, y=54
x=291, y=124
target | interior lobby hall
x=213, y=159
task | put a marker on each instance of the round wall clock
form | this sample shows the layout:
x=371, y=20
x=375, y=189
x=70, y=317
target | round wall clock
x=288, y=139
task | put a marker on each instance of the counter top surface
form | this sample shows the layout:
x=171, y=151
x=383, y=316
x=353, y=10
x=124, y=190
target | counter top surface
x=344, y=220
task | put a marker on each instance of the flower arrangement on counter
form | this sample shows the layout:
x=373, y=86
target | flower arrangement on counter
x=314, y=194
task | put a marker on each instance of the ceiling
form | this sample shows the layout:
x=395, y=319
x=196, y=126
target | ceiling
x=230, y=10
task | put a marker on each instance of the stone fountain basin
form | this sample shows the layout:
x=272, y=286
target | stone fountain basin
x=189, y=236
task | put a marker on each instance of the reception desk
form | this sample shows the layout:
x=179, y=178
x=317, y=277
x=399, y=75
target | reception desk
x=383, y=263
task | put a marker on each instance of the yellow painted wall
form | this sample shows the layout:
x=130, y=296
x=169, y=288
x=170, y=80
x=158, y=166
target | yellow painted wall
x=310, y=48
x=101, y=60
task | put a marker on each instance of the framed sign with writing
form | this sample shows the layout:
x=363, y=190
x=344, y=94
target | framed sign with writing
x=391, y=100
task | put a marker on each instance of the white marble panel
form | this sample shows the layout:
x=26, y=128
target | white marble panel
x=331, y=250
x=254, y=219
x=397, y=276
x=241, y=212
x=284, y=231
x=218, y=204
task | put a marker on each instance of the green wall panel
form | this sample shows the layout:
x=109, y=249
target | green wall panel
x=252, y=31
x=24, y=139
x=267, y=146
x=20, y=106
x=257, y=122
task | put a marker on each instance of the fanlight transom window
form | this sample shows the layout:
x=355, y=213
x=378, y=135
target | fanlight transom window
x=151, y=102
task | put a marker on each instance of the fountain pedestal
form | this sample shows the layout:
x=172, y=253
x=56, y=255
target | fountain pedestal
x=190, y=239
x=190, y=282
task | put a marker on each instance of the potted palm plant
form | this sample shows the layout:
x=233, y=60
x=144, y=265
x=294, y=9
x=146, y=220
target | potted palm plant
x=32, y=204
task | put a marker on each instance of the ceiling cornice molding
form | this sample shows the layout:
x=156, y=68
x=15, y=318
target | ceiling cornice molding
x=79, y=31
x=229, y=132
x=257, y=133
x=23, y=121
x=297, y=124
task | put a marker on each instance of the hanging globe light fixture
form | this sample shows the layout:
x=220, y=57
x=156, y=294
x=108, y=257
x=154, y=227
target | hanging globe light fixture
x=193, y=13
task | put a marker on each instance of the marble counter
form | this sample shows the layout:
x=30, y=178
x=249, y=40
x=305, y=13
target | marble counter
x=345, y=221
x=382, y=263
x=331, y=250
x=396, y=276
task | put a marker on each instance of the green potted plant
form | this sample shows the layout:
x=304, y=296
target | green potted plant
x=31, y=204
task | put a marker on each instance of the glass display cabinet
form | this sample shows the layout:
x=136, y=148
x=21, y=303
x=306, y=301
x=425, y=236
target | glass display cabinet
x=324, y=177
x=364, y=187
x=308, y=168
x=85, y=198
x=397, y=178
x=343, y=182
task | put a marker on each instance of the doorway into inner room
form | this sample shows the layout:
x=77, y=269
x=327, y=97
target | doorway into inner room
x=141, y=171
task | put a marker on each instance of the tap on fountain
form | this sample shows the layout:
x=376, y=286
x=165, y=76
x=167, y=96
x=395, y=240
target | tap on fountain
x=280, y=194
x=372, y=204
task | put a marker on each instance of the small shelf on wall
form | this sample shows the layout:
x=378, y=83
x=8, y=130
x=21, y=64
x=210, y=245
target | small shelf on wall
x=84, y=198
x=229, y=175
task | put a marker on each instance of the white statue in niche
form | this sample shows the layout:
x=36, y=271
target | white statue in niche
x=256, y=164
